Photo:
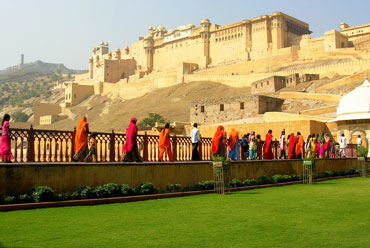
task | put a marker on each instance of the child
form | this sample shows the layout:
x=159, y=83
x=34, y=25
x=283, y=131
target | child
x=92, y=156
x=252, y=146
x=259, y=147
x=5, y=144
x=337, y=148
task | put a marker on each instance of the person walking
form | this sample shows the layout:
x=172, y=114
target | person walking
x=130, y=149
x=299, y=146
x=252, y=146
x=342, y=146
x=282, y=145
x=234, y=144
x=195, y=139
x=359, y=141
x=5, y=144
x=267, y=149
x=219, y=142
x=245, y=146
x=81, y=146
x=164, y=143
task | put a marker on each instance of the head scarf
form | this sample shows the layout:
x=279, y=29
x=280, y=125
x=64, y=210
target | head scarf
x=216, y=138
x=251, y=136
x=81, y=135
x=233, y=138
x=131, y=134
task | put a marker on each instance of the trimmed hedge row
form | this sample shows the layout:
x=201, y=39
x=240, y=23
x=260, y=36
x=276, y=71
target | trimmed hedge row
x=45, y=193
x=287, y=178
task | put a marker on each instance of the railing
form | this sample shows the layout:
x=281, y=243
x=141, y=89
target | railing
x=35, y=145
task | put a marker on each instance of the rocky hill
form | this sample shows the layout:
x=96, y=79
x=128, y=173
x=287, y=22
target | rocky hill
x=34, y=69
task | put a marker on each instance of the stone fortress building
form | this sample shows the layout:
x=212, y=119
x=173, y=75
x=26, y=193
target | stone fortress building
x=266, y=53
x=192, y=53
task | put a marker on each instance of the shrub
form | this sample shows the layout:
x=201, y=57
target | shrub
x=25, y=198
x=328, y=173
x=126, y=190
x=9, y=199
x=86, y=192
x=112, y=189
x=264, y=180
x=148, y=188
x=362, y=151
x=295, y=177
x=246, y=182
x=206, y=185
x=234, y=183
x=42, y=193
x=64, y=197
x=173, y=187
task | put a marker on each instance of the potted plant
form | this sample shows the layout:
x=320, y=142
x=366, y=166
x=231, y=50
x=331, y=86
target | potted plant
x=361, y=160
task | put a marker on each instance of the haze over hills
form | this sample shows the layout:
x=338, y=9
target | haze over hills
x=34, y=69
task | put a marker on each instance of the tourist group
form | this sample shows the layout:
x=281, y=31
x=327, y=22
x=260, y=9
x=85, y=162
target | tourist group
x=251, y=145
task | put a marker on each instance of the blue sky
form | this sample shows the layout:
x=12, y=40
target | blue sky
x=65, y=31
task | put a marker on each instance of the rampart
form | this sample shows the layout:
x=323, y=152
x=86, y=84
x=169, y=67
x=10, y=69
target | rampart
x=310, y=96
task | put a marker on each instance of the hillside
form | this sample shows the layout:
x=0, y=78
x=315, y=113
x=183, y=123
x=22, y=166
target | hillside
x=173, y=103
x=34, y=69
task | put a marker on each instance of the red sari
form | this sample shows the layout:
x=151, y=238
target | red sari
x=216, y=139
x=131, y=134
x=292, y=142
x=267, y=151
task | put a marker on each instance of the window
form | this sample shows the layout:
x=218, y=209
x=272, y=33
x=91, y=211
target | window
x=242, y=105
x=202, y=109
x=256, y=86
x=268, y=82
x=75, y=96
x=221, y=107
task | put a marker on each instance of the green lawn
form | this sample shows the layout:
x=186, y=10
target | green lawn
x=329, y=214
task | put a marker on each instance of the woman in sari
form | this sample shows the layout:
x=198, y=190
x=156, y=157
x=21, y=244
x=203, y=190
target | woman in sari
x=130, y=147
x=81, y=146
x=313, y=146
x=164, y=143
x=234, y=144
x=307, y=147
x=267, y=150
x=327, y=146
x=292, y=144
x=318, y=146
x=299, y=146
x=219, y=142
x=5, y=144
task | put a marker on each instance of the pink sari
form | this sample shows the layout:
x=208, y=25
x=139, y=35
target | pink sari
x=5, y=144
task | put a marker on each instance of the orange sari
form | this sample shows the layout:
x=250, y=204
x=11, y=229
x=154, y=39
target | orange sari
x=233, y=137
x=164, y=140
x=81, y=135
x=299, y=146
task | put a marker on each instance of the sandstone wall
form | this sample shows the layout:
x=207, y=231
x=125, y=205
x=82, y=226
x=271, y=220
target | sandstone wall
x=310, y=96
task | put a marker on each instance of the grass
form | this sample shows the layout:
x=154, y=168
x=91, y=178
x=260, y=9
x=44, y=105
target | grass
x=327, y=214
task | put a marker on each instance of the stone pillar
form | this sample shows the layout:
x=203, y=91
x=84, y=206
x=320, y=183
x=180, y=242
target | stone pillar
x=149, y=51
x=91, y=68
x=205, y=35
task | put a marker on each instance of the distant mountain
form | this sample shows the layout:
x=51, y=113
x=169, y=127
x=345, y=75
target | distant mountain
x=34, y=69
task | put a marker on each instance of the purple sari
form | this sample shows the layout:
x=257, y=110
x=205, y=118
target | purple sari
x=5, y=144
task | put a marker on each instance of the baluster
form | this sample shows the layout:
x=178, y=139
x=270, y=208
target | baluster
x=100, y=151
x=15, y=148
x=146, y=148
x=55, y=155
x=45, y=150
x=112, y=143
x=22, y=160
x=39, y=149
x=30, y=145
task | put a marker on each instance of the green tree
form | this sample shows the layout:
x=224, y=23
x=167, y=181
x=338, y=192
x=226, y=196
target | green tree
x=151, y=120
x=19, y=117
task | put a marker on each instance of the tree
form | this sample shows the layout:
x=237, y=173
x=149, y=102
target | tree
x=151, y=120
x=19, y=117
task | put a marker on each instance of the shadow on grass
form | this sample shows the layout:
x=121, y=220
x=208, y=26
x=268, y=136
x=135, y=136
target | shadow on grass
x=248, y=193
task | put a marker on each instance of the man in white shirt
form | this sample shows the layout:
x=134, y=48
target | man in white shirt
x=359, y=141
x=342, y=145
x=195, y=139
